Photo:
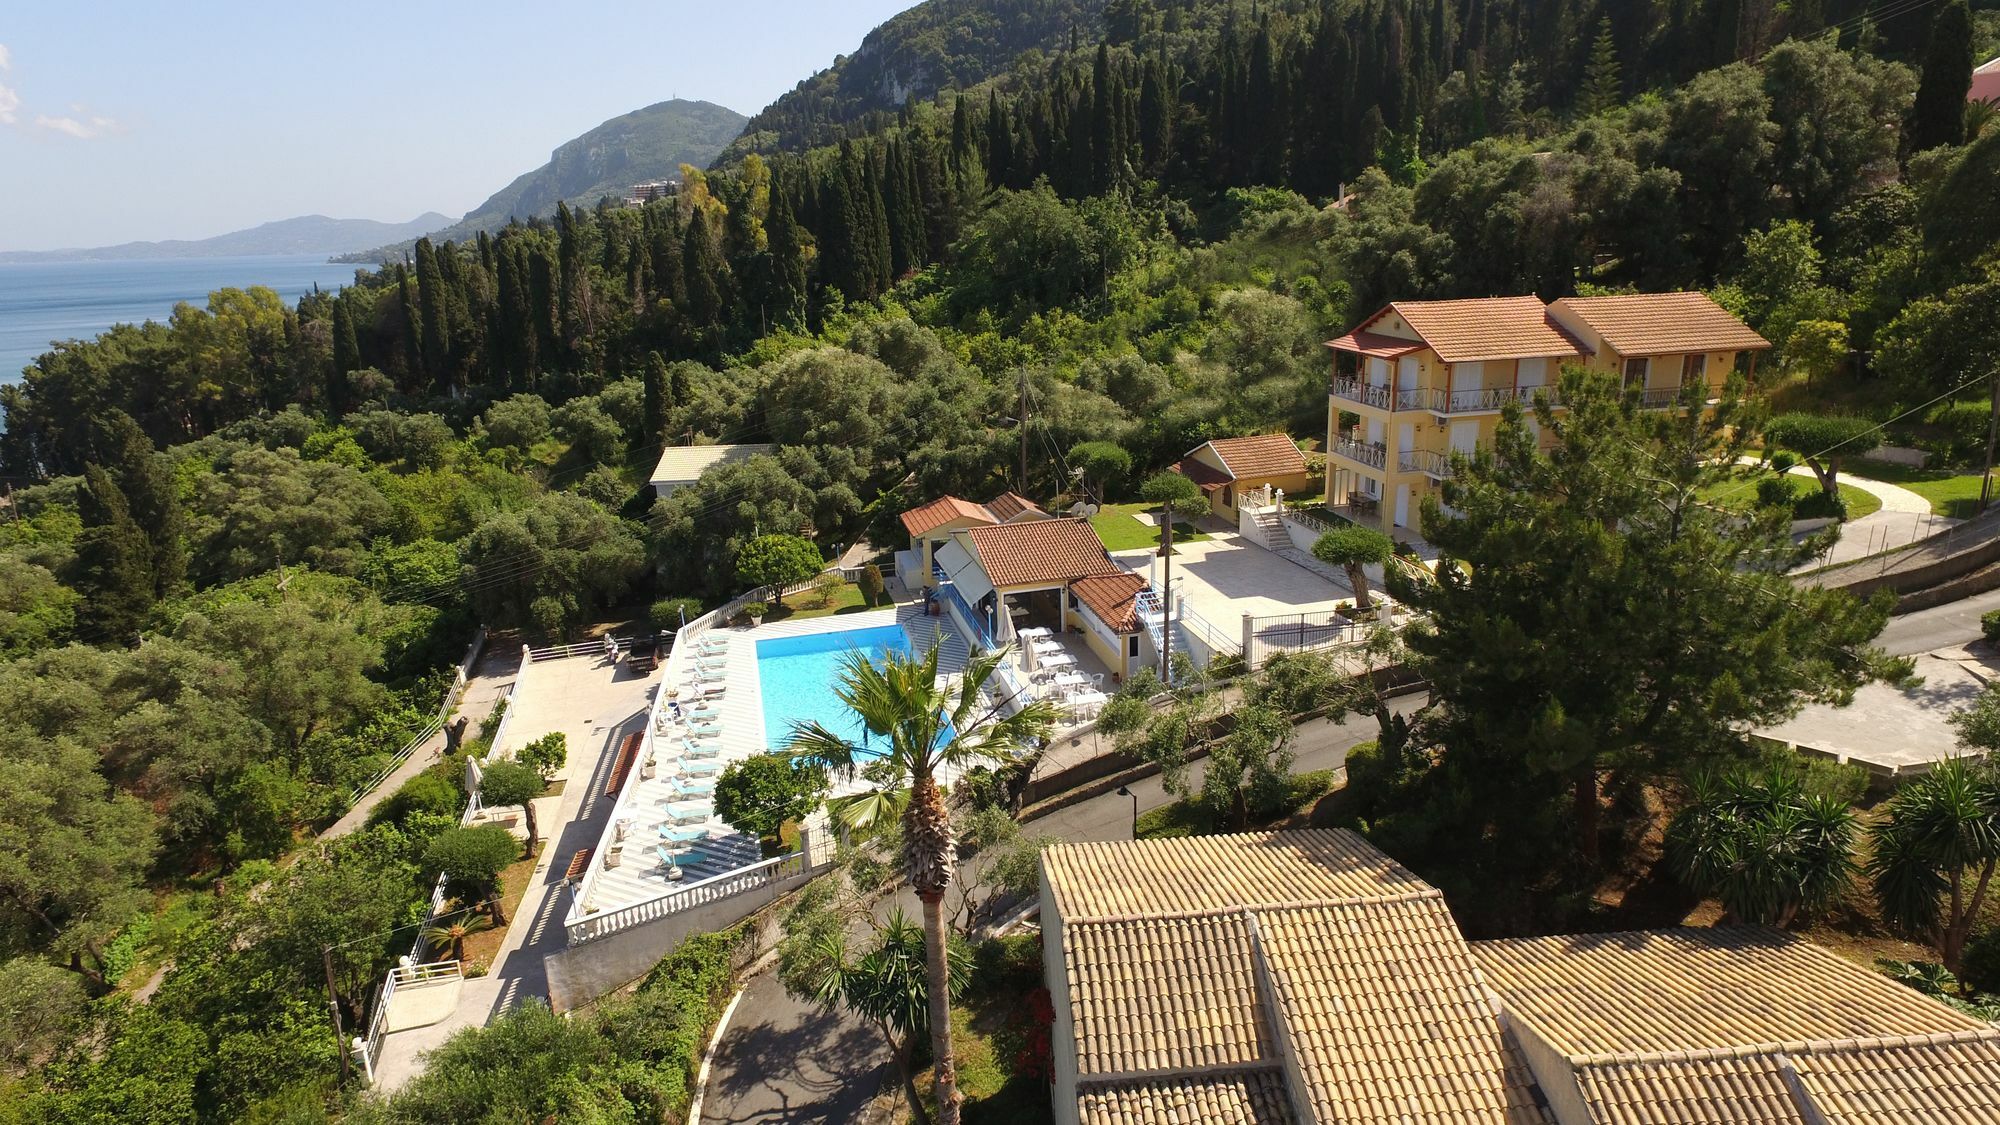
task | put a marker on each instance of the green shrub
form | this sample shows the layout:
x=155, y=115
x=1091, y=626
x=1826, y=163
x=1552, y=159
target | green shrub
x=1961, y=430
x=546, y=754
x=1989, y=626
x=1846, y=782
x=755, y=609
x=666, y=613
x=429, y=792
x=1007, y=965
x=1181, y=818
x=1981, y=968
x=872, y=586
x=1782, y=462
x=1819, y=504
x=1775, y=492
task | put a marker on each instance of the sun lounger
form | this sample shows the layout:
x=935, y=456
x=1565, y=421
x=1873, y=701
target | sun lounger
x=689, y=812
x=699, y=769
x=682, y=835
x=685, y=789
x=694, y=750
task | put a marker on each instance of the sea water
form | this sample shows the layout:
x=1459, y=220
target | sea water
x=45, y=301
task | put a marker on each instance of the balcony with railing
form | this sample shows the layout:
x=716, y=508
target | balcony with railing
x=1427, y=461
x=1665, y=398
x=1367, y=453
x=1381, y=398
x=1485, y=399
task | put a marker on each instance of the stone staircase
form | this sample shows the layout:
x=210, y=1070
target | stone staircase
x=1270, y=524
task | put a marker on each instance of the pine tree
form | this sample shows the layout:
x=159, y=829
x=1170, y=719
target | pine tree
x=1938, y=115
x=1602, y=91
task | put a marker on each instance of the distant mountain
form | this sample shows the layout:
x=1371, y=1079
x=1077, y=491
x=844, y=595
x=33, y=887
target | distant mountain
x=938, y=44
x=307, y=234
x=646, y=144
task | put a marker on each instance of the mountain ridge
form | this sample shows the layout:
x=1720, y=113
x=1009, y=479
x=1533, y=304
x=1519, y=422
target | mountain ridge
x=301, y=234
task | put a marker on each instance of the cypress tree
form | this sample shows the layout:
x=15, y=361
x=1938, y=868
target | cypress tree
x=788, y=263
x=1938, y=115
x=152, y=499
x=999, y=143
x=113, y=564
x=659, y=396
x=702, y=263
x=413, y=347
x=1104, y=155
x=434, y=317
x=1155, y=118
x=346, y=345
x=1601, y=88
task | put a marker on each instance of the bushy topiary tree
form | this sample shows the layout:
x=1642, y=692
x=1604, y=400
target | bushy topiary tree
x=758, y=795
x=471, y=860
x=511, y=783
x=777, y=561
x=1823, y=441
x=1354, y=547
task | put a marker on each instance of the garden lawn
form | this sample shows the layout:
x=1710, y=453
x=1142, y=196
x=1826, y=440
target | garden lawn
x=805, y=604
x=481, y=946
x=1951, y=494
x=1118, y=527
x=1741, y=494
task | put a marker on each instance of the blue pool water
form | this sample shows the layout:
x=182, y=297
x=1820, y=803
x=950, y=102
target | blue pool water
x=797, y=674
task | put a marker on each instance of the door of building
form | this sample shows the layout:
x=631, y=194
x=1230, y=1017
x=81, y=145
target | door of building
x=1402, y=505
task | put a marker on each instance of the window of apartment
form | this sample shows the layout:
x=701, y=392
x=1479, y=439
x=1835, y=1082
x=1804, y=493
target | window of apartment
x=1635, y=373
x=1693, y=368
x=1133, y=645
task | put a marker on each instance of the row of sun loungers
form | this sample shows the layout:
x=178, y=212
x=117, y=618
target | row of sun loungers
x=692, y=717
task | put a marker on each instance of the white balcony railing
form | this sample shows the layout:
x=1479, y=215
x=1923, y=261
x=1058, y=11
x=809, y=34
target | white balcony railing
x=1427, y=461
x=1367, y=453
x=1381, y=398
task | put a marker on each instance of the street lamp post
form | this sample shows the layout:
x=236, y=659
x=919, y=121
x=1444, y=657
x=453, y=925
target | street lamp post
x=1126, y=791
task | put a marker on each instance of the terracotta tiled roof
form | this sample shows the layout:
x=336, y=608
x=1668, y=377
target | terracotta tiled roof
x=1691, y=989
x=1150, y=995
x=1742, y=1025
x=1375, y=344
x=1644, y=324
x=1202, y=473
x=1040, y=551
x=1388, y=1017
x=1007, y=505
x=941, y=511
x=1135, y=879
x=1229, y=953
x=1260, y=455
x=1485, y=328
x=1952, y=1078
x=1113, y=598
x=1244, y=1097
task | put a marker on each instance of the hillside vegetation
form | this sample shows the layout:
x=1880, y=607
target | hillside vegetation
x=246, y=541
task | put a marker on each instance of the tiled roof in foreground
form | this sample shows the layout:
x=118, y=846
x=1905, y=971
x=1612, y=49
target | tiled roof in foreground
x=1244, y=1097
x=1693, y=989
x=1743, y=1025
x=1203, y=971
x=1204, y=873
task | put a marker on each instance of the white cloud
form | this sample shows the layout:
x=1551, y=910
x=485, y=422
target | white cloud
x=83, y=129
x=6, y=57
x=9, y=102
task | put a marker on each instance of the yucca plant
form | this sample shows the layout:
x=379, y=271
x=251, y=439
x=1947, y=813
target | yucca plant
x=1936, y=852
x=920, y=727
x=452, y=935
x=1762, y=845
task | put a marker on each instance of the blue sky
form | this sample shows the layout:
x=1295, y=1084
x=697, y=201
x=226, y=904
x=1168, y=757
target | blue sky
x=132, y=120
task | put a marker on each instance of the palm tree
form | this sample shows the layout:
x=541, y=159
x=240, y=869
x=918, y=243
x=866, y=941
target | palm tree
x=927, y=727
x=889, y=986
x=1762, y=845
x=1936, y=853
x=452, y=934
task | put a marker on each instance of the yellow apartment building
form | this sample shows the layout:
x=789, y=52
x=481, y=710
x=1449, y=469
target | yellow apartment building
x=1420, y=380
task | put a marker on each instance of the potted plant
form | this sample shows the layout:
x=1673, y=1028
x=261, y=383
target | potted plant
x=754, y=612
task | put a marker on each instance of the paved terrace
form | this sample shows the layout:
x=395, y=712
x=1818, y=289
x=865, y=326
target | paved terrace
x=595, y=704
x=678, y=796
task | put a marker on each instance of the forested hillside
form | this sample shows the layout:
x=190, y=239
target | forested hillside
x=241, y=544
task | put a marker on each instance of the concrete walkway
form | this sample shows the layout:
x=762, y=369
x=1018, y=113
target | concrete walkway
x=595, y=704
x=1896, y=729
x=1904, y=518
x=781, y=1061
x=492, y=678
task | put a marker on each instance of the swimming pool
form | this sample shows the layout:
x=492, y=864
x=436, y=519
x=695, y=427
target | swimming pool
x=796, y=676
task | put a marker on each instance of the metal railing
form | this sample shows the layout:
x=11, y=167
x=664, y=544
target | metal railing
x=1657, y=398
x=1427, y=461
x=590, y=927
x=564, y=652
x=1477, y=399
x=378, y=1021
x=445, y=707
x=1367, y=453
x=1195, y=625
x=1379, y=397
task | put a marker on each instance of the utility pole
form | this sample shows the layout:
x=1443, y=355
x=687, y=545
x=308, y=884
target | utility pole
x=333, y=1005
x=1166, y=595
x=1021, y=483
x=1992, y=432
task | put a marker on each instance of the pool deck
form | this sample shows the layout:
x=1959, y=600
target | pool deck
x=739, y=719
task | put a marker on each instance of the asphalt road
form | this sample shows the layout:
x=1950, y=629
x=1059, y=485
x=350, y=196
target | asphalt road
x=1928, y=630
x=785, y=1063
